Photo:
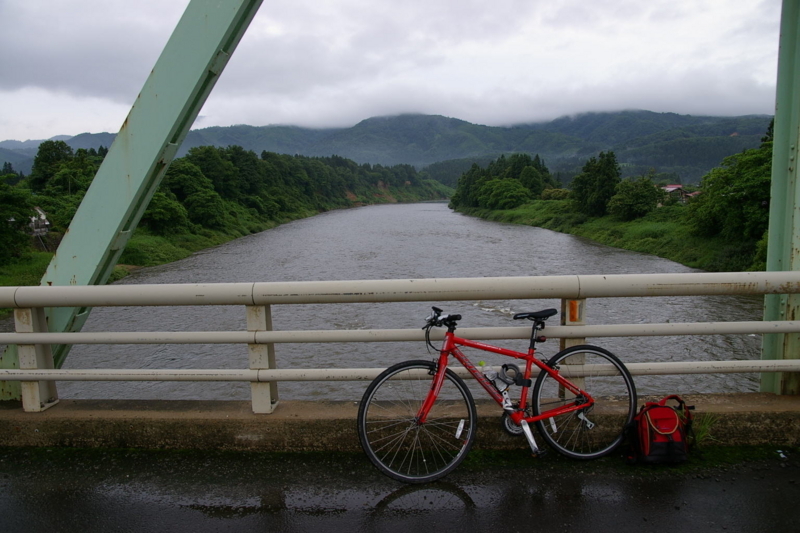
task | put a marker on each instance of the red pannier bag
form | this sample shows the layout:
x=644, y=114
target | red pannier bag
x=659, y=432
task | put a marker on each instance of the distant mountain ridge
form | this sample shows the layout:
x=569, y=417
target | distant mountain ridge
x=686, y=145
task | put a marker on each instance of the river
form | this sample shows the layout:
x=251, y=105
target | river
x=405, y=241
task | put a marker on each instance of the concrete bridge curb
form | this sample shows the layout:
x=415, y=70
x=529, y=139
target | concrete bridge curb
x=739, y=419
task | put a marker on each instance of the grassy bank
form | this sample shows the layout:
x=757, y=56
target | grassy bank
x=663, y=232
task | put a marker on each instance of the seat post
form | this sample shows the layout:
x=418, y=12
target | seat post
x=537, y=325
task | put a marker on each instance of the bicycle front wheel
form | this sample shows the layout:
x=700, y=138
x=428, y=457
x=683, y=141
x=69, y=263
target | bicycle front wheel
x=390, y=435
x=596, y=430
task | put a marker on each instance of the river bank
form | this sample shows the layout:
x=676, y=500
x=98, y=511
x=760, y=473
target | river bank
x=663, y=232
x=146, y=249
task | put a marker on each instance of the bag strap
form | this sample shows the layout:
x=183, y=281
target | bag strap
x=669, y=432
x=675, y=397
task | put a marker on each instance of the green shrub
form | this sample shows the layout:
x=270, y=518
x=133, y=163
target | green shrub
x=555, y=194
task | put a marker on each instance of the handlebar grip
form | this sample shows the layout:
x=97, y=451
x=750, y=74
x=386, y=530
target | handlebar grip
x=455, y=317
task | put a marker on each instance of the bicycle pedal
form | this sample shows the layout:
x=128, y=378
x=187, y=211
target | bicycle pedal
x=538, y=454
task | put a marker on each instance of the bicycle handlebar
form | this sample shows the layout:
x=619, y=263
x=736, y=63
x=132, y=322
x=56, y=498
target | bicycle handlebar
x=437, y=319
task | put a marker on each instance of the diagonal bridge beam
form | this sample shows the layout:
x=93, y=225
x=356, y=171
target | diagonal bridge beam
x=173, y=95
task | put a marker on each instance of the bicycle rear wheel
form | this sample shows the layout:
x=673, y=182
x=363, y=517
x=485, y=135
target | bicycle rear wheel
x=596, y=430
x=390, y=435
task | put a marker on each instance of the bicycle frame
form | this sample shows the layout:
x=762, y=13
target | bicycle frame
x=450, y=347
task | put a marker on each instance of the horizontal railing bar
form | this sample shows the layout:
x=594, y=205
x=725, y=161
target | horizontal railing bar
x=714, y=367
x=363, y=374
x=140, y=337
x=441, y=289
x=398, y=335
x=126, y=374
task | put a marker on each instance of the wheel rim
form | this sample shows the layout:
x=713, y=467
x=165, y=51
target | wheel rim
x=598, y=429
x=401, y=447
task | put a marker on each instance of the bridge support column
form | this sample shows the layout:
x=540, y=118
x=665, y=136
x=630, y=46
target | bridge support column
x=262, y=356
x=783, y=253
x=36, y=395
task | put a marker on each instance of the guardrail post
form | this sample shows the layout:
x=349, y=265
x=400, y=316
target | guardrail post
x=36, y=395
x=573, y=314
x=264, y=394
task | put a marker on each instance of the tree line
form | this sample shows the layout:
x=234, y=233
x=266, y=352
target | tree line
x=226, y=191
x=505, y=183
x=731, y=207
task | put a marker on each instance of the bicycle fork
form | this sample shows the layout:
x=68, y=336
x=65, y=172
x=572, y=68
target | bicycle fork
x=433, y=393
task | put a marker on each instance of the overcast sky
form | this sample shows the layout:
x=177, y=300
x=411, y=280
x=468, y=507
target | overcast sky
x=68, y=67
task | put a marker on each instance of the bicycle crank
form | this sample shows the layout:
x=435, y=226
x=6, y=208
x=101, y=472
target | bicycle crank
x=526, y=429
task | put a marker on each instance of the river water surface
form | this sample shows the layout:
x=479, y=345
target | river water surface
x=401, y=241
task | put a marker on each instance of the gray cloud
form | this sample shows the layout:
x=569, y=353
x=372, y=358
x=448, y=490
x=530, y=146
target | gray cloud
x=77, y=66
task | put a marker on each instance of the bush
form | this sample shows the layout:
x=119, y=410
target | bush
x=503, y=194
x=555, y=194
x=634, y=199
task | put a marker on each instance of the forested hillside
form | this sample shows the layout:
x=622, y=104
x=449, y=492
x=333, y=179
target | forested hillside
x=207, y=197
x=720, y=225
x=682, y=146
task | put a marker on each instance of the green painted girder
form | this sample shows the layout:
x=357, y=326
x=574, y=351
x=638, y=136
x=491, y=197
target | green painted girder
x=173, y=95
x=784, y=219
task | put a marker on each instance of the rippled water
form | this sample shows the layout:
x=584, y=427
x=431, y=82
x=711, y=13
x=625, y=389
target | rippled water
x=400, y=241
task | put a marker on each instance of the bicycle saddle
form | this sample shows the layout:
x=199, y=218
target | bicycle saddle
x=544, y=314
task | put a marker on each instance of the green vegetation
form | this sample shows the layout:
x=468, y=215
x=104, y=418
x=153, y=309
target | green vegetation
x=593, y=188
x=506, y=183
x=634, y=199
x=206, y=198
x=25, y=272
x=724, y=228
x=682, y=147
x=702, y=428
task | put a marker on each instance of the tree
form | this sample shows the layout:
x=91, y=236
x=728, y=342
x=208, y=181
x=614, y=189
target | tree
x=9, y=175
x=532, y=174
x=734, y=199
x=48, y=161
x=15, y=213
x=213, y=164
x=206, y=208
x=533, y=180
x=596, y=184
x=504, y=193
x=165, y=214
x=184, y=179
x=634, y=199
x=468, y=188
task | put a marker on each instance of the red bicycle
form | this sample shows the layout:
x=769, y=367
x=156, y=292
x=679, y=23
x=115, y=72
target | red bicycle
x=417, y=420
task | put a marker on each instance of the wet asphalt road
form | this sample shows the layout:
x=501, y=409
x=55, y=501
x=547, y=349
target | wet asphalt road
x=66, y=490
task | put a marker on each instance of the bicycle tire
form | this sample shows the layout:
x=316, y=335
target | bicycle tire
x=388, y=429
x=613, y=390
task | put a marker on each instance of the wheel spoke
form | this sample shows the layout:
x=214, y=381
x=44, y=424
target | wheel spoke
x=614, y=403
x=396, y=443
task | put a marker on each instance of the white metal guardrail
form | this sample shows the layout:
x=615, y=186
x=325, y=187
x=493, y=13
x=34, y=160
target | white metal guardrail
x=37, y=374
